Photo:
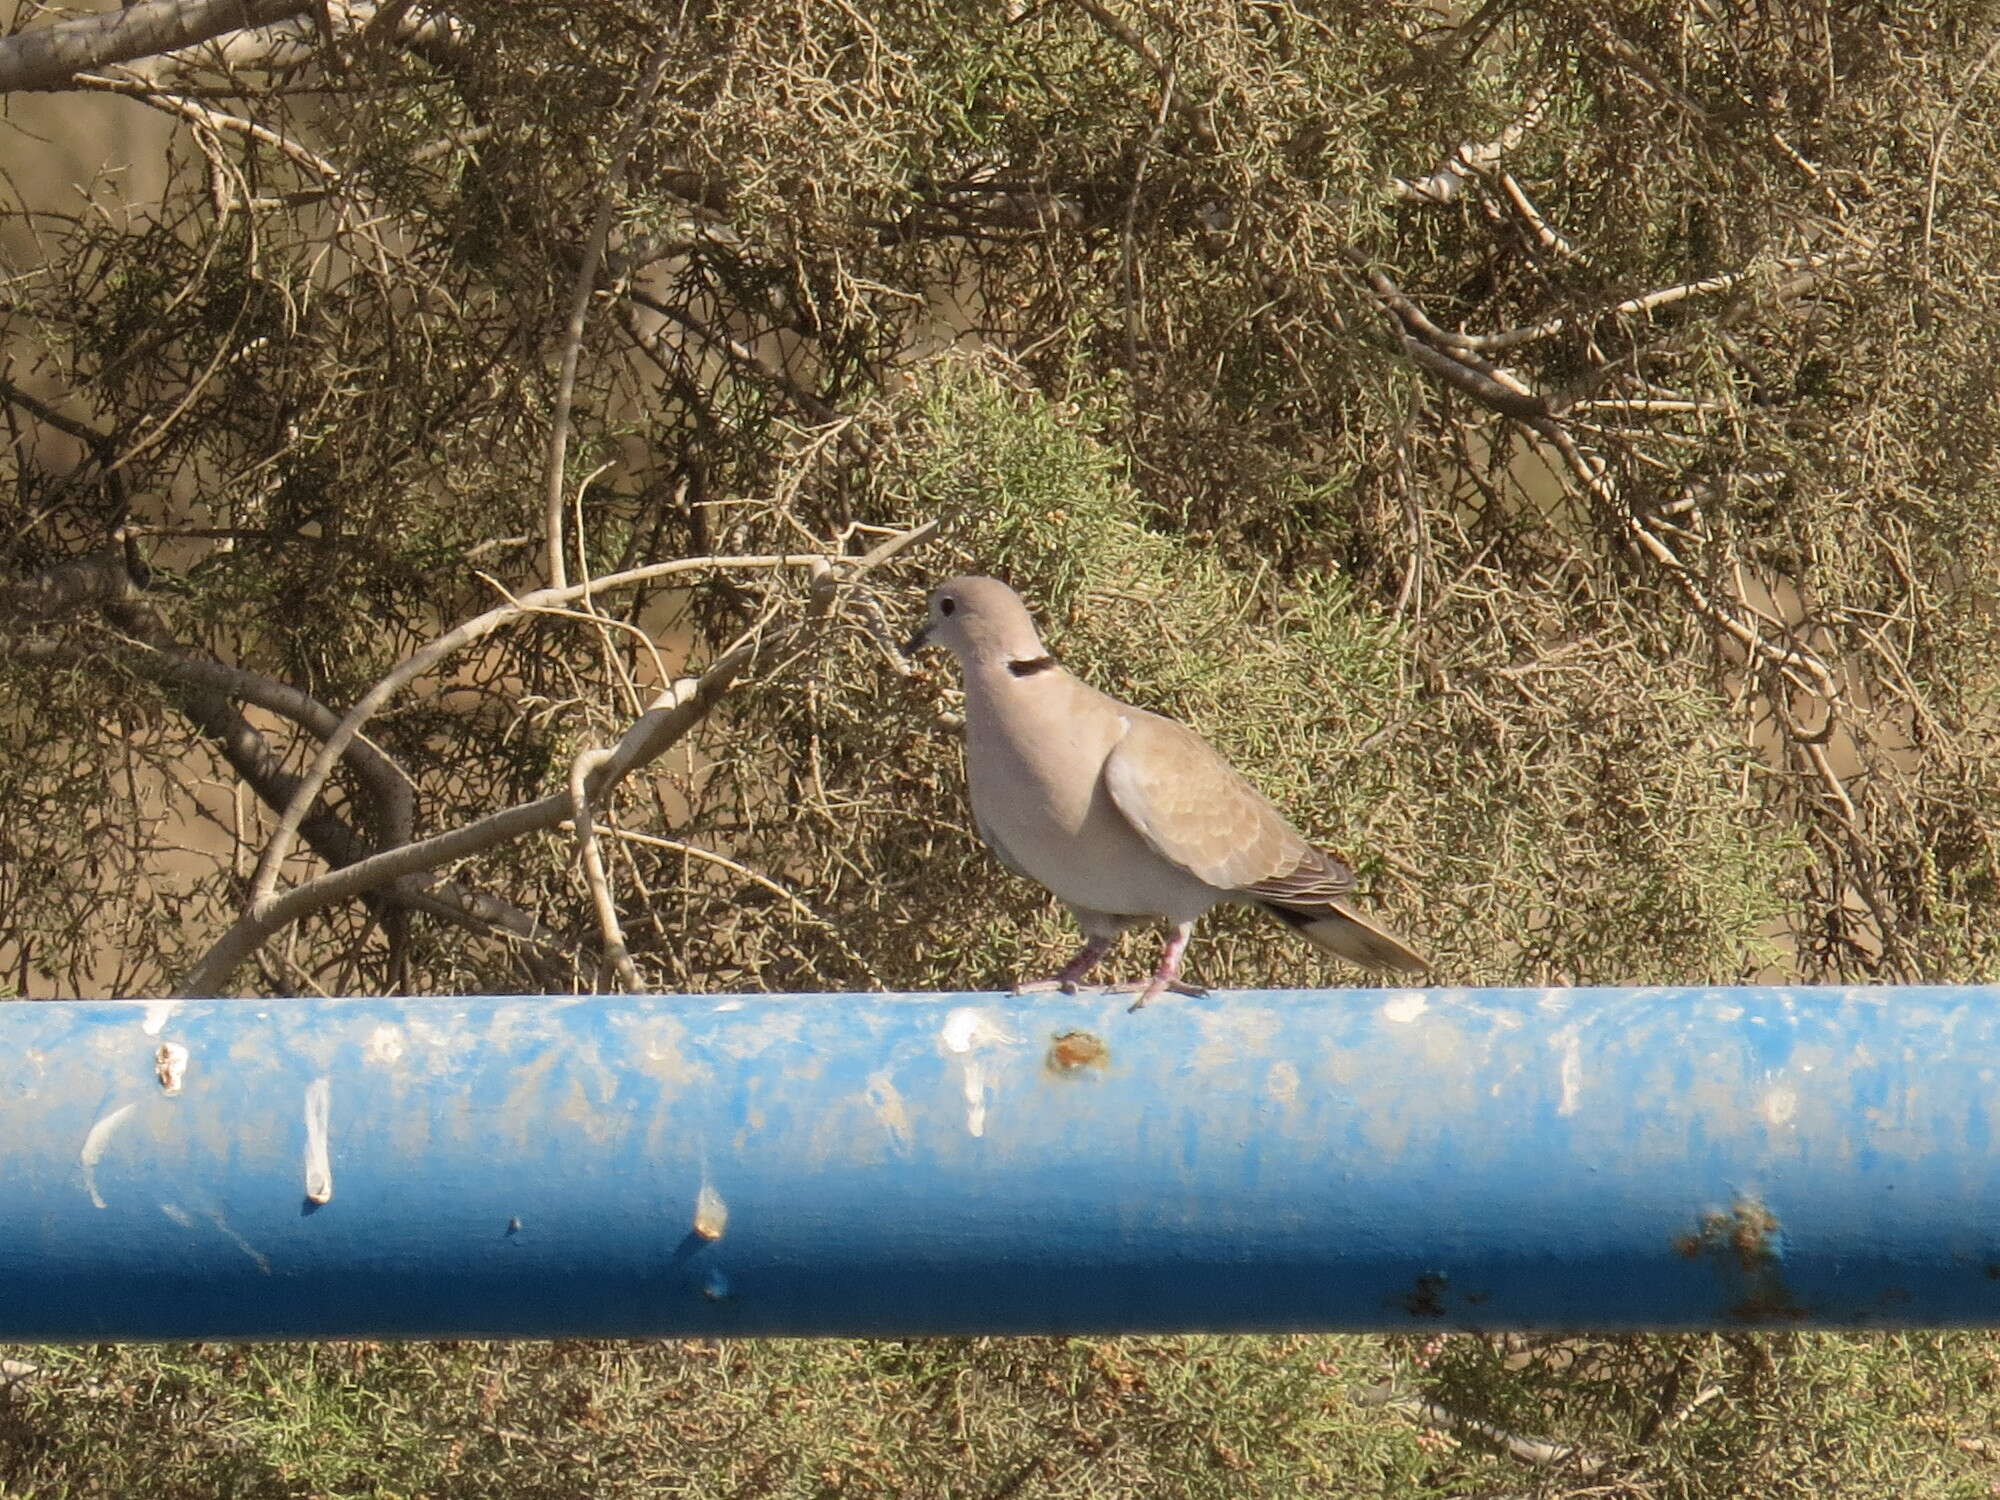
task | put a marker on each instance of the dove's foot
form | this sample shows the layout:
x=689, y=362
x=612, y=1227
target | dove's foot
x=1168, y=975
x=1047, y=986
x=1152, y=989
x=1070, y=977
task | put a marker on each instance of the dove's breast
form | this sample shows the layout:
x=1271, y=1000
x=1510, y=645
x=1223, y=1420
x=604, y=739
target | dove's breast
x=1034, y=753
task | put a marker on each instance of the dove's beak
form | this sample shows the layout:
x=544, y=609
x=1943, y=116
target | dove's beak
x=918, y=641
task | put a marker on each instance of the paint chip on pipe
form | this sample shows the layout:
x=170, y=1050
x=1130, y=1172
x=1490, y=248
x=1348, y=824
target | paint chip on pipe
x=170, y=1066
x=319, y=1161
x=967, y=1028
x=1404, y=1008
x=711, y=1214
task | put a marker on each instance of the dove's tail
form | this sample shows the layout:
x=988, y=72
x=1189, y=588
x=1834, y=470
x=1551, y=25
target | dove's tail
x=1346, y=933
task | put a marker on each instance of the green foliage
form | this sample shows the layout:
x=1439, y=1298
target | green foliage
x=1193, y=1417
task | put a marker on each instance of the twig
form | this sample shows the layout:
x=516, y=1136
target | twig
x=1126, y=254
x=723, y=861
x=1544, y=233
x=1123, y=30
x=1939, y=145
x=851, y=434
x=582, y=290
x=1694, y=1404
x=264, y=882
x=262, y=770
x=1529, y=1450
x=1444, y=354
x=615, y=951
x=197, y=113
x=1511, y=338
x=1472, y=158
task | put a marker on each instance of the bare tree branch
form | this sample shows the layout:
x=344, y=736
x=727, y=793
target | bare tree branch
x=664, y=725
x=1528, y=1450
x=584, y=828
x=197, y=113
x=584, y=288
x=94, y=580
x=1473, y=158
x=209, y=690
x=49, y=57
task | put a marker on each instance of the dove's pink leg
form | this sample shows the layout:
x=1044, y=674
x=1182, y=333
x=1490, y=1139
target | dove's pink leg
x=1071, y=973
x=1167, y=976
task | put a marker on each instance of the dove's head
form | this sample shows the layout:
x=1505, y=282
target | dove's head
x=980, y=620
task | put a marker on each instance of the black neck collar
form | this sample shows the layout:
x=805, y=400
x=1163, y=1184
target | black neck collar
x=1029, y=666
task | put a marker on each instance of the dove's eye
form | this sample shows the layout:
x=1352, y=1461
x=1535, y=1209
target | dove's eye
x=947, y=605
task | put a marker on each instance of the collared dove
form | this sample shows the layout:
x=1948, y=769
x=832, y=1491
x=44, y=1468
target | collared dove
x=1126, y=816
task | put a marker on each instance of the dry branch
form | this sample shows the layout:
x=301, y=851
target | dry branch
x=664, y=725
x=207, y=691
x=1539, y=1452
x=1474, y=159
x=584, y=829
x=581, y=292
x=50, y=56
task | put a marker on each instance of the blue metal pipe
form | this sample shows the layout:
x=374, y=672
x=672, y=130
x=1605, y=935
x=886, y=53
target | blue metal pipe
x=916, y=1164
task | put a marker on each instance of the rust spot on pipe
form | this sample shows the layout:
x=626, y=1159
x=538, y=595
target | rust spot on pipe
x=1425, y=1299
x=711, y=1214
x=1746, y=1245
x=1073, y=1050
x=1773, y=1304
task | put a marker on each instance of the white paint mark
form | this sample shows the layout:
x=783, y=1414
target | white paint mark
x=887, y=1102
x=170, y=1066
x=263, y=1261
x=711, y=1214
x=1729, y=1013
x=1282, y=1082
x=730, y=1005
x=1779, y=1105
x=96, y=1142
x=319, y=1164
x=1571, y=1073
x=966, y=1028
x=385, y=1043
x=975, y=1097
x=158, y=1013
x=1405, y=1007
x=186, y=1220
x=1554, y=1002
